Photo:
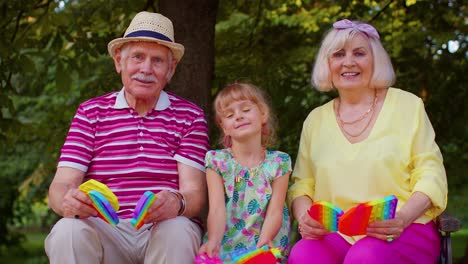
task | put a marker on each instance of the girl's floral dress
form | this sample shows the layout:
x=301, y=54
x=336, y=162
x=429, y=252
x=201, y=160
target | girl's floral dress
x=247, y=194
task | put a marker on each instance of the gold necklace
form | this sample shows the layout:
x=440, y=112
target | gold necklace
x=252, y=171
x=343, y=123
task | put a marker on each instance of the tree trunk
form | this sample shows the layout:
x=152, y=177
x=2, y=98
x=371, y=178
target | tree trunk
x=194, y=27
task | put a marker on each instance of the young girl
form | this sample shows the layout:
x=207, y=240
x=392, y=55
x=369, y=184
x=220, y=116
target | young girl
x=247, y=184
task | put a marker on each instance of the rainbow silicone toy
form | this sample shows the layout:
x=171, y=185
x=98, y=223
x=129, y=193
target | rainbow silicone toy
x=104, y=200
x=141, y=209
x=355, y=221
x=204, y=259
x=263, y=255
x=326, y=213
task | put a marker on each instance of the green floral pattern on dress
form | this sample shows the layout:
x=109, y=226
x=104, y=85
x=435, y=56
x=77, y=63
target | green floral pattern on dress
x=247, y=199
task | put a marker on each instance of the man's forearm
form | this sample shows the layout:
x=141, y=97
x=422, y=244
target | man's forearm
x=194, y=202
x=65, y=178
x=56, y=193
x=192, y=184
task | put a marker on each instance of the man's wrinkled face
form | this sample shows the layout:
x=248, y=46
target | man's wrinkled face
x=145, y=68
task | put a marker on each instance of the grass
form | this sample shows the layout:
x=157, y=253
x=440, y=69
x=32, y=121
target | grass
x=30, y=252
x=459, y=243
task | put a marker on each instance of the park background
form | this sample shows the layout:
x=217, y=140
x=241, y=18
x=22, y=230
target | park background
x=53, y=56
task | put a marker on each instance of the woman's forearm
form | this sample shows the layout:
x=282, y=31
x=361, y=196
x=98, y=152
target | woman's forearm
x=414, y=208
x=300, y=205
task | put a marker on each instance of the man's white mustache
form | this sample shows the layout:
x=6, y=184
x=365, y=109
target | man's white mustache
x=144, y=78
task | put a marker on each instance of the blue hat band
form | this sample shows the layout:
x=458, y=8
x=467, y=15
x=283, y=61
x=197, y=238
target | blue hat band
x=147, y=33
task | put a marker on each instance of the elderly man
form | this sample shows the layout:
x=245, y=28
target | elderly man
x=138, y=139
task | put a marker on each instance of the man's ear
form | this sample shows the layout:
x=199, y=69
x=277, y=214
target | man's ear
x=173, y=67
x=117, y=58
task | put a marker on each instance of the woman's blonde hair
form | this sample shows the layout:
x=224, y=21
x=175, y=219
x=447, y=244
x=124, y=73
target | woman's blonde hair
x=245, y=91
x=335, y=39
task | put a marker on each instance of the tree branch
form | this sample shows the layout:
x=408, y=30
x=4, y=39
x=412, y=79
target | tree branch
x=381, y=11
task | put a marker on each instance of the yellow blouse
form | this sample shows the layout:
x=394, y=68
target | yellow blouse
x=399, y=157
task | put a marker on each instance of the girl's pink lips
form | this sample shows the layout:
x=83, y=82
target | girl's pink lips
x=242, y=125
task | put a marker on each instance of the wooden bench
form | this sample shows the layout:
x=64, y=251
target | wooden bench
x=447, y=224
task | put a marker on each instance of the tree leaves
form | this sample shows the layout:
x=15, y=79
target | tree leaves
x=62, y=77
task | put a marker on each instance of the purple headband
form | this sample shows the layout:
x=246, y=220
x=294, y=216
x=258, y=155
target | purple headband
x=366, y=28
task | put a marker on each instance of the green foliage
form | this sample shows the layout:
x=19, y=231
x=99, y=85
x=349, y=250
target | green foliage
x=30, y=251
x=460, y=245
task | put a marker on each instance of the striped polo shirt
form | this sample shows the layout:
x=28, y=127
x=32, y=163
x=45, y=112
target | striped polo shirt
x=132, y=154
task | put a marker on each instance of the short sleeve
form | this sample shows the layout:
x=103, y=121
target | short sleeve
x=284, y=161
x=210, y=161
x=194, y=143
x=78, y=149
x=221, y=162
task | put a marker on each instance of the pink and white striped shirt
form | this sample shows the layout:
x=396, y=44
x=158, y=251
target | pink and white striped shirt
x=132, y=154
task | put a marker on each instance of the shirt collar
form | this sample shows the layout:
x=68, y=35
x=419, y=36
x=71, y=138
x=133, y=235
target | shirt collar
x=162, y=104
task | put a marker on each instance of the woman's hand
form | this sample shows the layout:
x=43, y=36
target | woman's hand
x=387, y=229
x=391, y=229
x=310, y=228
x=211, y=248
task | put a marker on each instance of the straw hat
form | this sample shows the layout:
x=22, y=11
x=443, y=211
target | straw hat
x=149, y=27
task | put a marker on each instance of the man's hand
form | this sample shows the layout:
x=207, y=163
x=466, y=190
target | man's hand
x=165, y=207
x=76, y=203
x=64, y=196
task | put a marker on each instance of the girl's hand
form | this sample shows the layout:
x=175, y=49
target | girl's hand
x=311, y=229
x=387, y=229
x=210, y=248
x=262, y=242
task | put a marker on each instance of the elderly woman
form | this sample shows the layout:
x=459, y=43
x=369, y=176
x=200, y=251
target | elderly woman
x=370, y=142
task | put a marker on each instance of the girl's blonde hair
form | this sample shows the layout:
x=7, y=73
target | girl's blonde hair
x=245, y=91
x=335, y=39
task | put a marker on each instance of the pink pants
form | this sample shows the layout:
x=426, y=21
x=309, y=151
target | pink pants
x=419, y=243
